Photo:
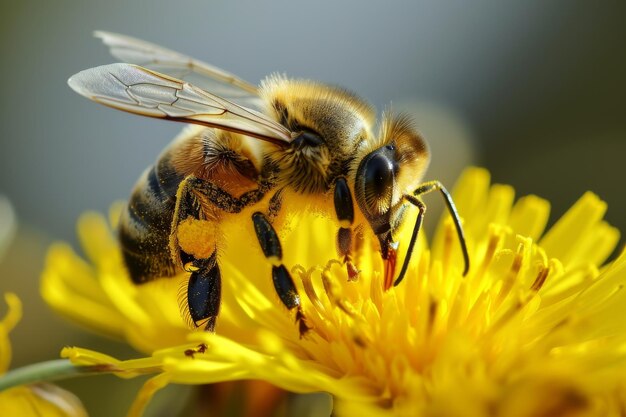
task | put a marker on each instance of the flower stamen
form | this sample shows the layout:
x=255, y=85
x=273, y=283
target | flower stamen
x=495, y=237
x=541, y=279
x=333, y=292
x=307, y=284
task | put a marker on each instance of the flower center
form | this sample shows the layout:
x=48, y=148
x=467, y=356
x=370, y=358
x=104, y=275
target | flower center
x=394, y=338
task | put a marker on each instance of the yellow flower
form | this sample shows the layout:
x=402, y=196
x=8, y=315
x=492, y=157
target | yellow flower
x=535, y=329
x=36, y=400
x=7, y=324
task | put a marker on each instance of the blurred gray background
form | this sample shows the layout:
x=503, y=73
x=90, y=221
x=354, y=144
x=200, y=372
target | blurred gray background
x=533, y=90
x=540, y=86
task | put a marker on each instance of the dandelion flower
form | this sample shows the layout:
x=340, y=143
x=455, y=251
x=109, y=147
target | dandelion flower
x=536, y=328
x=37, y=400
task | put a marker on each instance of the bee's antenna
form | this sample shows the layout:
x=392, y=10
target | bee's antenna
x=423, y=189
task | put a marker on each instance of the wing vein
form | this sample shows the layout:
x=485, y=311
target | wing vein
x=146, y=92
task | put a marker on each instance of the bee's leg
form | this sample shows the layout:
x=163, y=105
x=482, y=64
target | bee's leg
x=204, y=293
x=344, y=208
x=423, y=189
x=274, y=206
x=199, y=205
x=190, y=216
x=212, y=194
x=283, y=283
x=197, y=255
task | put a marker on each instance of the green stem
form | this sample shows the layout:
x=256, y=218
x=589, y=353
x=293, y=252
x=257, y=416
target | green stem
x=45, y=371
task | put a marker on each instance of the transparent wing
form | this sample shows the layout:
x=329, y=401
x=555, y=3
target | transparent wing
x=180, y=66
x=142, y=91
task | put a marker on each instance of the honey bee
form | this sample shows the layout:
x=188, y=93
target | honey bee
x=253, y=147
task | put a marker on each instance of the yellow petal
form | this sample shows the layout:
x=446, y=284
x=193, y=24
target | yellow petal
x=146, y=393
x=530, y=216
x=40, y=400
x=573, y=230
x=68, y=285
x=12, y=317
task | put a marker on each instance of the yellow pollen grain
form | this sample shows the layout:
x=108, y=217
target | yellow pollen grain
x=196, y=237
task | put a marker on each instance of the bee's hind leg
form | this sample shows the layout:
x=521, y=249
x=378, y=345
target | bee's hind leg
x=199, y=207
x=193, y=247
x=270, y=244
x=204, y=293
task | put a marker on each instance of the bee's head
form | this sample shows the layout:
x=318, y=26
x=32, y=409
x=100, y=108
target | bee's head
x=387, y=171
x=327, y=124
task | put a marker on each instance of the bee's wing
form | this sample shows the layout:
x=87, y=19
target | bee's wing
x=180, y=66
x=139, y=90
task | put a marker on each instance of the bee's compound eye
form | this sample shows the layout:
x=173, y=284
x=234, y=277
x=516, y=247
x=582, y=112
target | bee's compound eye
x=379, y=173
x=375, y=182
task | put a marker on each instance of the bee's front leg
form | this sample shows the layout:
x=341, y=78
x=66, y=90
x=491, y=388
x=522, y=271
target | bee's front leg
x=344, y=208
x=415, y=200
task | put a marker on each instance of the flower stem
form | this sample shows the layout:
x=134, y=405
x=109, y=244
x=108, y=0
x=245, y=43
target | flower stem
x=45, y=371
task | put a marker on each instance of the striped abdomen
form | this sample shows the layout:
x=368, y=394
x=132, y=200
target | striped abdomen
x=145, y=224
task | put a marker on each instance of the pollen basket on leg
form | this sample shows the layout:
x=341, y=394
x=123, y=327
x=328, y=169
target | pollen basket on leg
x=196, y=237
